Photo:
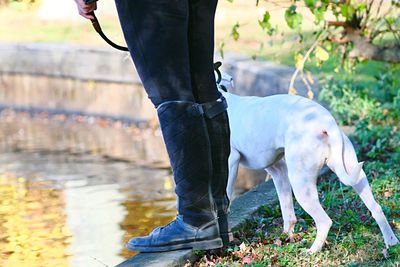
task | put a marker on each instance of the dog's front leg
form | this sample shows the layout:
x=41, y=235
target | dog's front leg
x=280, y=177
x=234, y=159
x=364, y=191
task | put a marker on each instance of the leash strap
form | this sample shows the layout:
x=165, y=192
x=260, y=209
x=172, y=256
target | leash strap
x=210, y=109
x=217, y=71
x=97, y=27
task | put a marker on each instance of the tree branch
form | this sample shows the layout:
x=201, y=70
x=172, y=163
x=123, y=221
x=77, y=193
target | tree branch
x=305, y=58
x=343, y=40
x=337, y=23
x=362, y=48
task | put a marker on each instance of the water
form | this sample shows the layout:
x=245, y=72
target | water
x=74, y=190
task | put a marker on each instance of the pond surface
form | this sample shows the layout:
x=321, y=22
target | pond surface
x=73, y=190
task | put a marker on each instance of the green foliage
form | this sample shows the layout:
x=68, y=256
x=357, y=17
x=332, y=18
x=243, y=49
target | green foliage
x=6, y=2
x=266, y=25
x=378, y=135
x=388, y=84
x=347, y=100
x=376, y=100
x=19, y=5
x=354, y=25
x=235, y=31
x=293, y=19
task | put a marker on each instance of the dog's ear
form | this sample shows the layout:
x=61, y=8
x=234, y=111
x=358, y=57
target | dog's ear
x=217, y=65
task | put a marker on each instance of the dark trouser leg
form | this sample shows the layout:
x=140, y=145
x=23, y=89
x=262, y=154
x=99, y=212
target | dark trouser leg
x=156, y=33
x=201, y=50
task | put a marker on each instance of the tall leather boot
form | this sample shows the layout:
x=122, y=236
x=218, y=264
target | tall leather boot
x=196, y=226
x=219, y=133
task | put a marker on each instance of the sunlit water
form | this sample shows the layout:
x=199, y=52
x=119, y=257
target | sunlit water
x=73, y=191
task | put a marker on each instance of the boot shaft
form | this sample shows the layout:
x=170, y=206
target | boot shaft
x=188, y=146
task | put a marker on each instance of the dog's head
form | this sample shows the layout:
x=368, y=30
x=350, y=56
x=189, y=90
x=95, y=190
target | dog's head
x=224, y=80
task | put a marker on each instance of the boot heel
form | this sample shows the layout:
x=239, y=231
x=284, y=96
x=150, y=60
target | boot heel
x=226, y=238
x=208, y=244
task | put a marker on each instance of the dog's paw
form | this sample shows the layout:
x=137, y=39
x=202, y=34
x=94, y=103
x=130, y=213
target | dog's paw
x=310, y=251
x=314, y=249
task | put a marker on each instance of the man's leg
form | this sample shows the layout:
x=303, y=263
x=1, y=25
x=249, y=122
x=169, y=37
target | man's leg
x=201, y=52
x=156, y=33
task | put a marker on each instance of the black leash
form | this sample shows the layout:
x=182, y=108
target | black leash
x=97, y=27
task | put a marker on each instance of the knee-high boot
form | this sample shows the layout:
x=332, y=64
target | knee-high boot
x=219, y=134
x=186, y=137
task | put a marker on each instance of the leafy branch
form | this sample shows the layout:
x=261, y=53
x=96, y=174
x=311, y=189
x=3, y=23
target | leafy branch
x=301, y=60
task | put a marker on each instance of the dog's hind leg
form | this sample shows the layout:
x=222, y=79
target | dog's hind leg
x=305, y=190
x=233, y=161
x=364, y=191
x=304, y=160
x=279, y=175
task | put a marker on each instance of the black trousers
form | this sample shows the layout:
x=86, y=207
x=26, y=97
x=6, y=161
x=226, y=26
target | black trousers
x=172, y=45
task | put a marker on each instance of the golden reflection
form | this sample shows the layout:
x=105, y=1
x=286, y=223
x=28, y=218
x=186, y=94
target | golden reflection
x=33, y=229
x=143, y=217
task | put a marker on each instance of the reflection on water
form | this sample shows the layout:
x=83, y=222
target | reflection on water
x=74, y=189
x=33, y=229
x=80, y=206
x=62, y=204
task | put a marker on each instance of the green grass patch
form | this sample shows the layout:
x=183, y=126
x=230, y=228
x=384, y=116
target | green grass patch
x=354, y=239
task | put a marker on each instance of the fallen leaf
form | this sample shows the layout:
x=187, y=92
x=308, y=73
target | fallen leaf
x=247, y=260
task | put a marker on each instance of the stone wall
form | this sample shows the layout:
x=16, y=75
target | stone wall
x=104, y=81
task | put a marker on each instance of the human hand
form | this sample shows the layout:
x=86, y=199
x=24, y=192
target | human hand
x=84, y=9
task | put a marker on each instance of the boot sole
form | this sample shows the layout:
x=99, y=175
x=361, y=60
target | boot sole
x=195, y=245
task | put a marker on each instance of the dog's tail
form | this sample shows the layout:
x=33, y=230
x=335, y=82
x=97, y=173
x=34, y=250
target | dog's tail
x=336, y=161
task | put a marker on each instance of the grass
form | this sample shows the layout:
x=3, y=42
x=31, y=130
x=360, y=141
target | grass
x=354, y=239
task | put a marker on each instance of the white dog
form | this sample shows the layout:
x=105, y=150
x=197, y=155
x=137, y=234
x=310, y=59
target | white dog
x=292, y=137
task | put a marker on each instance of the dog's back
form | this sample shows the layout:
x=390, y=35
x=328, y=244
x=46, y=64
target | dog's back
x=261, y=125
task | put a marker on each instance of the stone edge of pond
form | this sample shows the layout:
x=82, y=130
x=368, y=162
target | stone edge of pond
x=252, y=77
x=242, y=208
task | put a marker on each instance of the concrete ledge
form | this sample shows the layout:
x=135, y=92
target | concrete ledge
x=242, y=208
x=261, y=78
x=252, y=77
x=87, y=80
x=68, y=61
